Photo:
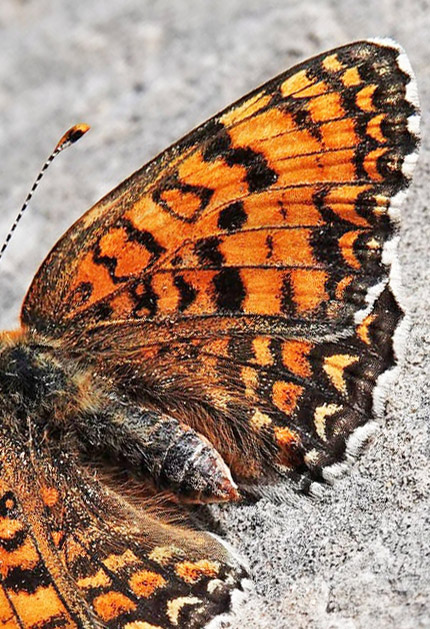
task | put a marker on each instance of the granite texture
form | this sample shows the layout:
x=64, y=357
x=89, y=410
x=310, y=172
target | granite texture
x=142, y=73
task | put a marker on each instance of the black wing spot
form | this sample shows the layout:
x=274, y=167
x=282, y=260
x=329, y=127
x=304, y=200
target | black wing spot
x=259, y=176
x=144, y=238
x=187, y=292
x=208, y=253
x=232, y=217
x=230, y=292
x=145, y=298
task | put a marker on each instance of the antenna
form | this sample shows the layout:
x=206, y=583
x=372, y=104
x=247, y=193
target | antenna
x=70, y=137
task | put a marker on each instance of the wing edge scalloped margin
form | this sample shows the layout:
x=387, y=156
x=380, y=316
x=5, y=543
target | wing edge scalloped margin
x=362, y=434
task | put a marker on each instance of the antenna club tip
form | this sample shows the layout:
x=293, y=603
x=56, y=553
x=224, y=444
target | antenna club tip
x=73, y=135
x=79, y=129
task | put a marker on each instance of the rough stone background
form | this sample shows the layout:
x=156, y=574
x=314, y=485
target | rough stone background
x=142, y=73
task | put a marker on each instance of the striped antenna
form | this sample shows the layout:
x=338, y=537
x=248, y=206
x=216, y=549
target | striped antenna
x=70, y=137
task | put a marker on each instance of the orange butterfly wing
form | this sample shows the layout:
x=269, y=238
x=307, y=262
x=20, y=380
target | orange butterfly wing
x=245, y=271
x=317, y=148
x=74, y=554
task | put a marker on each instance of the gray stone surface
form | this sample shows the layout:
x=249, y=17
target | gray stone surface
x=142, y=73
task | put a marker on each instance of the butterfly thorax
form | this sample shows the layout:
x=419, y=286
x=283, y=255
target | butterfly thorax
x=32, y=381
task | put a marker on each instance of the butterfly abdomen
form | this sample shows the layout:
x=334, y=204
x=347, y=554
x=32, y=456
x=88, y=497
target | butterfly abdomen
x=151, y=444
x=59, y=397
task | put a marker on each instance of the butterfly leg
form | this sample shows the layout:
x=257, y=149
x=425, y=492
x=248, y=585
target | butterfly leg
x=151, y=443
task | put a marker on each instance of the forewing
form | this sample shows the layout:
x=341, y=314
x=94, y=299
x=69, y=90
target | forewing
x=75, y=554
x=248, y=272
x=274, y=207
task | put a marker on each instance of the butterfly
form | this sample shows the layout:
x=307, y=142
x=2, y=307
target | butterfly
x=225, y=318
